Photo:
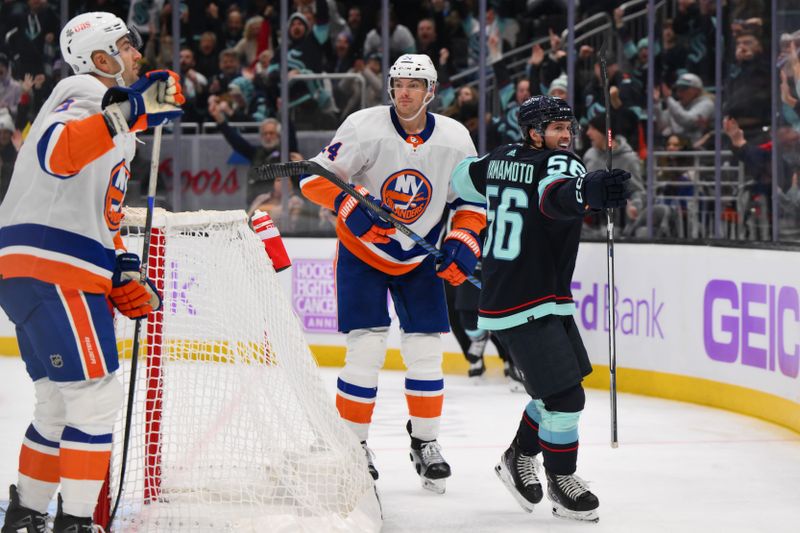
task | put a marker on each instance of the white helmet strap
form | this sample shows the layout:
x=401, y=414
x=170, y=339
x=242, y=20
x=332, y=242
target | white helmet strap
x=429, y=96
x=118, y=76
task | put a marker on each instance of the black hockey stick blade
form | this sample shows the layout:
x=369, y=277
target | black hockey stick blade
x=272, y=171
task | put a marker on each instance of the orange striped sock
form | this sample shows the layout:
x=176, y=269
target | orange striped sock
x=83, y=467
x=38, y=470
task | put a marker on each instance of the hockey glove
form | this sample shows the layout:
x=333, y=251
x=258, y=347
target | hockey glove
x=602, y=189
x=152, y=101
x=461, y=250
x=132, y=297
x=362, y=222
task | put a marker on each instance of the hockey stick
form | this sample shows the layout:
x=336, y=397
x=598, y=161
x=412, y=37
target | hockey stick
x=612, y=336
x=148, y=229
x=273, y=171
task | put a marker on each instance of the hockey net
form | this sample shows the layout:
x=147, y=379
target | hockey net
x=232, y=428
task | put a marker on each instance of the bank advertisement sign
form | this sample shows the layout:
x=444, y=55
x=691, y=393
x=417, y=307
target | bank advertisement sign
x=730, y=315
x=723, y=314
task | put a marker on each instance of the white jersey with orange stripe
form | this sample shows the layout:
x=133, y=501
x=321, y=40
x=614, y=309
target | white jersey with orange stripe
x=408, y=172
x=60, y=219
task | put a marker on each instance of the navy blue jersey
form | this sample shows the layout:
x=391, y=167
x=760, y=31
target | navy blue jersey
x=534, y=215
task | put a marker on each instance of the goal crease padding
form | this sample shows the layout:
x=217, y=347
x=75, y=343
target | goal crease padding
x=232, y=427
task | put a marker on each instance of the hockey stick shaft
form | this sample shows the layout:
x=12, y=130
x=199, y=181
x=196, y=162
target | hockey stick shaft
x=612, y=335
x=145, y=257
x=296, y=168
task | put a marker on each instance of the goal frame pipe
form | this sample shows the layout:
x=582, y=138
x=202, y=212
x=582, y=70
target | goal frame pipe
x=154, y=394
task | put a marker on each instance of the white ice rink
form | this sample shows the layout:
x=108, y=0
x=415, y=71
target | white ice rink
x=679, y=468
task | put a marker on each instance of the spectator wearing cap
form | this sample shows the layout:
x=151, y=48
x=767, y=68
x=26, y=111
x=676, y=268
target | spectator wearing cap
x=311, y=102
x=10, y=89
x=241, y=100
x=559, y=87
x=689, y=113
x=8, y=150
x=638, y=69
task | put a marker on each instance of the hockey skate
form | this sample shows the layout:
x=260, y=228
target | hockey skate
x=571, y=498
x=66, y=523
x=427, y=457
x=520, y=474
x=477, y=368
x=21, y=519
x=370, y=464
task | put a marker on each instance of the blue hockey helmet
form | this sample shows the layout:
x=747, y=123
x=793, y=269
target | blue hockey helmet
x=538, y=111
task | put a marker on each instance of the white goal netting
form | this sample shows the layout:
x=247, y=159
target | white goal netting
x=232, y=427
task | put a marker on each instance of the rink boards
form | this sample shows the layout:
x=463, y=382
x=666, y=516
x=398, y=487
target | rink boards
x=711, y=325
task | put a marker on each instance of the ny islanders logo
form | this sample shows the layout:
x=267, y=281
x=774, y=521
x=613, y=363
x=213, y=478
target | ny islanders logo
x=408, y=193
x=115, y=194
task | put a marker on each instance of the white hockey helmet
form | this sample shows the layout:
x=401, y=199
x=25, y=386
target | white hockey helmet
x=91, y=32
x=414, y=66
x=417, y=66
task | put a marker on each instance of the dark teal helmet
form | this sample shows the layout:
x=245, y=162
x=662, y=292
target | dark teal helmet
x=538, y=111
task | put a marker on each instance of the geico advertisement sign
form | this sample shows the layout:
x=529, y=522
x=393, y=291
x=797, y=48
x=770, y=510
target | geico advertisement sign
x=729, y=315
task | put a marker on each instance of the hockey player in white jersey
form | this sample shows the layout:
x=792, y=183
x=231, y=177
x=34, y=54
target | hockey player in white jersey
x=62, y=265
x=402, y=157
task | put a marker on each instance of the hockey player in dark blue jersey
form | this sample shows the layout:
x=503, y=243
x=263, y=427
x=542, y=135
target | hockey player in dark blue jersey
x=537, y=193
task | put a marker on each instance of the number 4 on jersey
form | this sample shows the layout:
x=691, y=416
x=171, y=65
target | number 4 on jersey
x=332, y=150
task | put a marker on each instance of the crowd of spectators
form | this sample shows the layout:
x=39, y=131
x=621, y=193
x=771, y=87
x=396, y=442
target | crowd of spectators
x=229, y=63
